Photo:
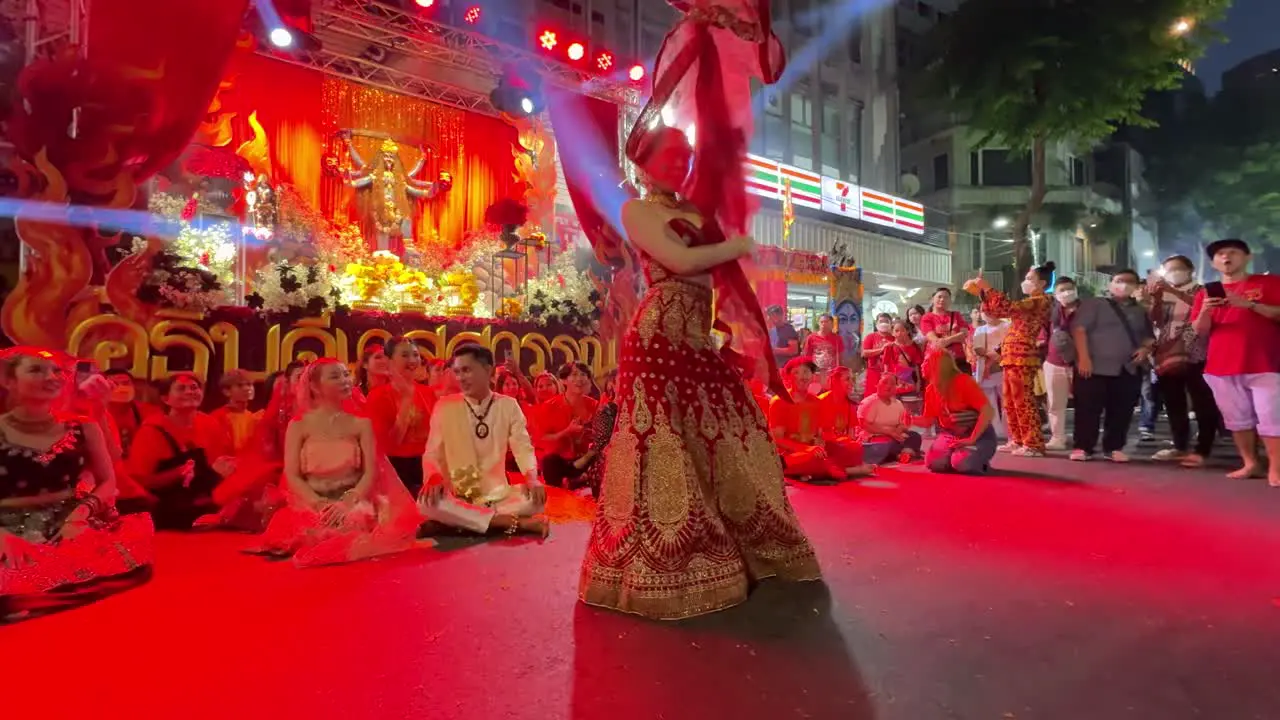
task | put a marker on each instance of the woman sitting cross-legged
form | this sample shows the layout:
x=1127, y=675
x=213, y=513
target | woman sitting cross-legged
x=61, y=541
x=966, y=440
x=885, y=425
x=345, y=501
x=181, y=456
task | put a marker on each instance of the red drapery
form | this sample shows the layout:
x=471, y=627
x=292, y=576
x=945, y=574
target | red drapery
x=179, y=48
x=301, y=109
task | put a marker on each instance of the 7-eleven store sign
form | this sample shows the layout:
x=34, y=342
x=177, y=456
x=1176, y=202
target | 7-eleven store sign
x=768, y=179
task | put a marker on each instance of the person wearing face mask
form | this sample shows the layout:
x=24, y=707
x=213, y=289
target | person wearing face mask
x=1178, y=360
x=1113, y=340
x=1020, y=354
x=1060, y=360
x=126, y=410
x=874, y=347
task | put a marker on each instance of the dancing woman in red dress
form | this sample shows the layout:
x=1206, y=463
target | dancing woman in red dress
x=692, y=505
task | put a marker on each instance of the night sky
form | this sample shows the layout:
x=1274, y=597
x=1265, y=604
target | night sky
x=1251, y=29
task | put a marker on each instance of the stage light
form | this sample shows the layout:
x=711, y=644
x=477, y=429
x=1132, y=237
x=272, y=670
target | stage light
x=604, y=61
x=576, y=51
x=425, y=3
x=472, y=15
x=636, y=73
x=281, y=37
x=516, y=95
x=548, y=40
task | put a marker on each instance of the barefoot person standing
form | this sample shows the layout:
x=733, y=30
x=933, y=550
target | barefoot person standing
x=1241, y=318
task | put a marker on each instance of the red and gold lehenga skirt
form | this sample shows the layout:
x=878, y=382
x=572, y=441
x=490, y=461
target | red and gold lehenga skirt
x=693, y=504
x=111, y=553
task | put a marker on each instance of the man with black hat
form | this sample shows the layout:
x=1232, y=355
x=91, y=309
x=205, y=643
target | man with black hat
x=1241, y=319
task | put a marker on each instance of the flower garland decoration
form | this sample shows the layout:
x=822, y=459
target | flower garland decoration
x=564, y=294
x=211, y=248
x=172, y=283
x=286, y=287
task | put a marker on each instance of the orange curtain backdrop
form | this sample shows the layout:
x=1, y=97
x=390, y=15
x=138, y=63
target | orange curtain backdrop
x=301, y=110
x=286, y=100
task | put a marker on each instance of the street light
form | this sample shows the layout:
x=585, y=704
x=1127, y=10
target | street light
x=1182, y=27
x=1000, y=223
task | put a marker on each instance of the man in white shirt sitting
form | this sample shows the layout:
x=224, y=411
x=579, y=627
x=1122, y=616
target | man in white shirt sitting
x=885, y=426
x=465, y=461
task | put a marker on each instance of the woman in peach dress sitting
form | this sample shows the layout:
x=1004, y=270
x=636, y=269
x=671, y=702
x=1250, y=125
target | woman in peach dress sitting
x=345, y=501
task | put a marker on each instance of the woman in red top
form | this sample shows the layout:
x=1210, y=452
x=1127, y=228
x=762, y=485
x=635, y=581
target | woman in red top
x=401, y=413
x=966, y=441
x=874, y=347
x=181, y=456
x=945, y=329
x=563, y=424
x=903, y=359
x=373, y=371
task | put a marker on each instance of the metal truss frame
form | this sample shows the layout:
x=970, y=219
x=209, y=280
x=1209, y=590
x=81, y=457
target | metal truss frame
x=377, y=75
x=413, y=34
x=45, y=24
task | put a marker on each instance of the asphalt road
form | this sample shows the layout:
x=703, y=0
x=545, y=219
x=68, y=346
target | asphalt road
x=1052, y=591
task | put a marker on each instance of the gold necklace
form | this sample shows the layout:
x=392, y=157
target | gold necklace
x=30, y=427
x=665, y=199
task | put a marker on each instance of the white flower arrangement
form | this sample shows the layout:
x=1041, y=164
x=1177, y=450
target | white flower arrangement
x=562, y=294
x=289, y=286
x=185, y=290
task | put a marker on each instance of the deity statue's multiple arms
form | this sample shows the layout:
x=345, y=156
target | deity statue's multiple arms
x=422, y=189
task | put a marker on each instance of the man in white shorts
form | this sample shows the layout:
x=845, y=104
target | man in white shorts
x=1243, y=366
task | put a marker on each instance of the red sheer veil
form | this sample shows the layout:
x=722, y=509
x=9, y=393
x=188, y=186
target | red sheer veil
x=703, y=76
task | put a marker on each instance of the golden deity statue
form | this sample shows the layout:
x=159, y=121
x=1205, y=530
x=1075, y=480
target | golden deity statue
x=388, y=209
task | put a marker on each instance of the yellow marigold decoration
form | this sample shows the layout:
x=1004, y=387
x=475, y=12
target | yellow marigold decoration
x=512, y=307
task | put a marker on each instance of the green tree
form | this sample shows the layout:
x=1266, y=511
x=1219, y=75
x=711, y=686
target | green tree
x=1218, y=171
x=1028, y=73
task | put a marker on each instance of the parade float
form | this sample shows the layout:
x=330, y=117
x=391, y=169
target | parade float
x=242, y=212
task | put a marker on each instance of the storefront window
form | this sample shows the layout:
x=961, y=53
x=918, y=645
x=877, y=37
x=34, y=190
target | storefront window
x=806, y=303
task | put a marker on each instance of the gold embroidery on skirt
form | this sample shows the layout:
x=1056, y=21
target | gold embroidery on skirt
x=735, y=487
x=766, y=467
x=679, y=311
x=710, y=426
x=642, y=419
x=736, y=426
x=621, y=468
x=666, y=471
x=700, y=454
x=647, y=322
x=673, y=319
x=673, y=401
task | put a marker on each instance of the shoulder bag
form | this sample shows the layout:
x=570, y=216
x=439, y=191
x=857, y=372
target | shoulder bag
x=1133, y=336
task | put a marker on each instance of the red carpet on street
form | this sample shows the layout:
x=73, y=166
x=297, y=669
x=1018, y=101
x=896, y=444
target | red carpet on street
x=1053, y=591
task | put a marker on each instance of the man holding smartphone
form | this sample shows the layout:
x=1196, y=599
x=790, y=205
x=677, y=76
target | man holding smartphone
x=1240, y=316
